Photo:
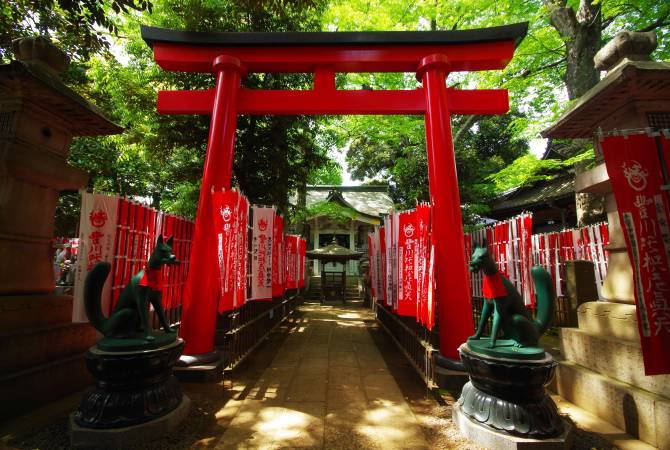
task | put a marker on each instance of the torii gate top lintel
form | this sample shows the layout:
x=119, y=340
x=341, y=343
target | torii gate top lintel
x=366, y=51
x=432, y=55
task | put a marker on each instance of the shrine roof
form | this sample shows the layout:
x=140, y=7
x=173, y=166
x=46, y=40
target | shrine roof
x=32, y=82
x=515, y=32
x=371, y=201
x=542, y=192
x=648, y=80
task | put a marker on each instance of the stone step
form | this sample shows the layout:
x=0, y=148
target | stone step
x=617, y=320
x=19, y=312
x=639, y=413
x=25, y=390
x=612, y=357
x=589, y=422
x=33, y=347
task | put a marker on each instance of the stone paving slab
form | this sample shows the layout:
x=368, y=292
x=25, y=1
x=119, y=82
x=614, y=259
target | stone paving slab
x=327, y=387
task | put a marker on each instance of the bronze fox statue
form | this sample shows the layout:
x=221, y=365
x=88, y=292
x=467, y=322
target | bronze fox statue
x=130, y=318
x=509, y=313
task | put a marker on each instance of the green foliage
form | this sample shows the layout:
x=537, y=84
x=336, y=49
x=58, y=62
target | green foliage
x=163, y=156
x=328, y=174
x=78, y=26
x=527, y=169
x=330, y=210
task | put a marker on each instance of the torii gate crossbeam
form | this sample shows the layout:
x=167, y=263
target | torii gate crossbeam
x=431, y=55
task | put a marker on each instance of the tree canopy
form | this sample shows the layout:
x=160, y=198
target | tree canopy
x=161, y=157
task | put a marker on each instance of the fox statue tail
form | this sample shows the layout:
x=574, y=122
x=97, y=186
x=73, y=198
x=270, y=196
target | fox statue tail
x=544, y=289
x=95, y=280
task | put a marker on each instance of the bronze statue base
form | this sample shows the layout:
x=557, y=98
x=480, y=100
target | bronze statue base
x=508, y=395
x=132, y=387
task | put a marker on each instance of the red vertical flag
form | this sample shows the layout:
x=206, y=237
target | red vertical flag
x=407, y=237
x=634, y=168
x=224, y=215
x=276, y=257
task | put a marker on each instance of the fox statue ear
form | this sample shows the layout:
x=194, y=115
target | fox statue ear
x=169, y=241
x=160, y=239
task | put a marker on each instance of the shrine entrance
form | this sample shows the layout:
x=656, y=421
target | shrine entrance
x=431, y=55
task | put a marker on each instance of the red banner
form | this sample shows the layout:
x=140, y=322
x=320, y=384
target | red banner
x=302, y=248
x=277, y=229
x=225, y=223
x=422, y=260
x=291, y=244
x=407, y=237
x=242, y=252
x=634, y=168
x=382, y=269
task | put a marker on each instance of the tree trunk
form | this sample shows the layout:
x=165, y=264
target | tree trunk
x=582, y=33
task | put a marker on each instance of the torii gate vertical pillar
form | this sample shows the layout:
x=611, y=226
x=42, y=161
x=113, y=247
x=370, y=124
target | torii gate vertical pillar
x=201, y=299
x=454, y=306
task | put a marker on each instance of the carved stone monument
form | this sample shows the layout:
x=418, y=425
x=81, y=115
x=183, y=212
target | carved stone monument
x=39, y=115
x=603, y=358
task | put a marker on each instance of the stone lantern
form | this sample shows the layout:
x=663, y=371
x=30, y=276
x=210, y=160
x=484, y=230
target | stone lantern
x=603, y=356
x=39, y=116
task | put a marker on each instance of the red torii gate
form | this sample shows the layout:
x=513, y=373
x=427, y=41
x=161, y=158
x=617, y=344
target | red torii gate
x=432, y=55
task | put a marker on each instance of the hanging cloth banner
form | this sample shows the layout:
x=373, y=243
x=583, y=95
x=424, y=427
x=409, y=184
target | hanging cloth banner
x=371, y=268
x=430, y=304
x=634, y=168
x=277, y=230
x=407, y=237
x=302, y=249
x=292, y=261
x=242, y=252
x=97, y=232
x=261, y=263
x=224, y=210
x=394, y=262
x=422, y=260
x=382, y=265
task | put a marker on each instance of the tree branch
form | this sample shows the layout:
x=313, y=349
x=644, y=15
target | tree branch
x=525, y=73
x=658, y=23
x=469, y=122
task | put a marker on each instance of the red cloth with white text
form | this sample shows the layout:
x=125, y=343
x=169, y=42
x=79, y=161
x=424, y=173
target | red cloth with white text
x=493, y=286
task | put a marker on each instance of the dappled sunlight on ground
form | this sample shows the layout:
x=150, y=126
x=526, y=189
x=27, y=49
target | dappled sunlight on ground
x=327, y=387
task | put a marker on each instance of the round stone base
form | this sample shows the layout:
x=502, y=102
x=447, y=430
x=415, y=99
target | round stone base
x=131, y=388
x=507, y=395
x=116, y=438
x=489, y=438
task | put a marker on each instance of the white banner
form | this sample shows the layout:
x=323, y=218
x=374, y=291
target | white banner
x=261, y=248
x=97, y=231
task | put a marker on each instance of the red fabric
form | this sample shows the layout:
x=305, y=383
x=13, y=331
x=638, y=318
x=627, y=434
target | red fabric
x=493, y=286
x=277, y=289
x=224, y=216
x=635, y=173
x=407, y=237
x=152, y=278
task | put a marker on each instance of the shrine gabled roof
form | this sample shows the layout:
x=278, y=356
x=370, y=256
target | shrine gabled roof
x=515, y=32
x=370, y=201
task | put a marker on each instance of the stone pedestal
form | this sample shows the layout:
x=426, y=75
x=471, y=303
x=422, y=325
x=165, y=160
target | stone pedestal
x=506, y=395
x=132, y=387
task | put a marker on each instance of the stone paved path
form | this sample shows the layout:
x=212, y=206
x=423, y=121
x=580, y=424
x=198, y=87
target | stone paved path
x=327, y=387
